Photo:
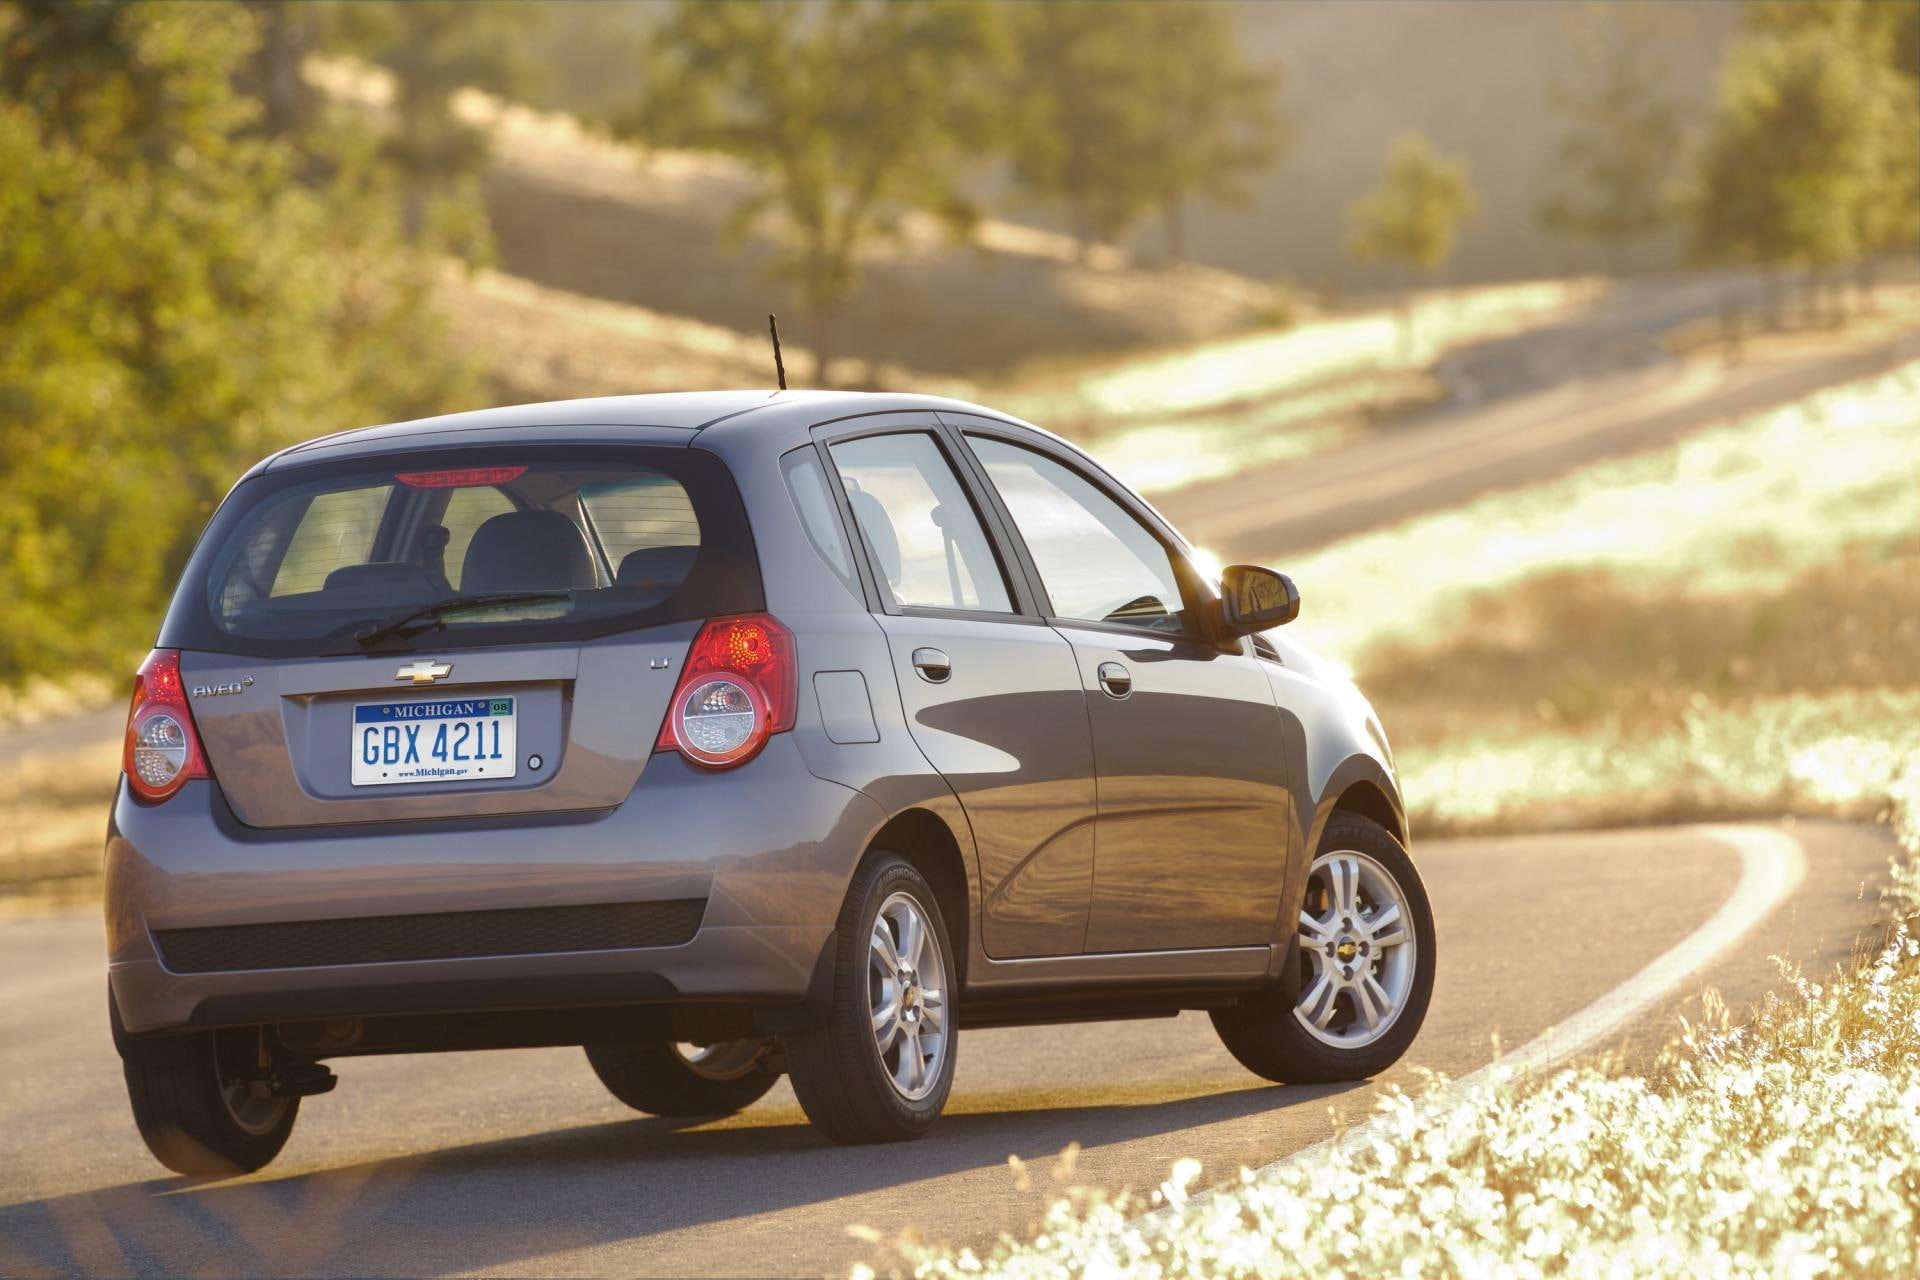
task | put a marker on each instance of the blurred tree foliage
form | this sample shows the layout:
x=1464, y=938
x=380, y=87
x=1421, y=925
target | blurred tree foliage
x=435, y=48
x=1129, y=107
x=1812, y=159
x=1616, y=166
x=174, y=302
x=1413, y=216
x=851, y=112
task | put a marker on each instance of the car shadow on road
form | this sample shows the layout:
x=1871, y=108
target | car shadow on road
x=494, y=1204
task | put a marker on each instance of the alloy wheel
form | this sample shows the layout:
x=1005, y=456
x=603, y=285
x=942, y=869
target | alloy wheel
x=1358, y=957
x=907, y=997
x=246, y=1096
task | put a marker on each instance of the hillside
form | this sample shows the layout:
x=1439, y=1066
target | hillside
x=1475, y=76
x=575, y=211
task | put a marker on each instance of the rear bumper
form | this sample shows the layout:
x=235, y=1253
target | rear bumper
x=768, y=848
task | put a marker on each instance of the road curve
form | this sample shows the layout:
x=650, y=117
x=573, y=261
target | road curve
x=517, y=1163
x=1466, y=449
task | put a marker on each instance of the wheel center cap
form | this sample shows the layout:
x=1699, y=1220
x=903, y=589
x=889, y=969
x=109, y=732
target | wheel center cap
x=1347, y=950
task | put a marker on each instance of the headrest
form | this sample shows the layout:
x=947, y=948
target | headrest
x=526, y=551
x=656, y=571
x=383, y=580
x=878, y=529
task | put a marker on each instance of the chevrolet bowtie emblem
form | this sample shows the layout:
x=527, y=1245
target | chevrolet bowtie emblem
x=424, y=671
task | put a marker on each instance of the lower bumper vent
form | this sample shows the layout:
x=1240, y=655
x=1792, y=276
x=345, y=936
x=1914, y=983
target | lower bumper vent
x=443, y=935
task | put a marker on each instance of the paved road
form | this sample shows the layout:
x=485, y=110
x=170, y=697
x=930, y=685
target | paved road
x=1528, y=407
x=517, y=1163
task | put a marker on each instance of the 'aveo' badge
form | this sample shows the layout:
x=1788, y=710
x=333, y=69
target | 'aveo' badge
x=221, y=690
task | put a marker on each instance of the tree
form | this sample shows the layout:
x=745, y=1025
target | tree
x=1083, y=119
x=435, y=48
x=1616, y=164
x=1809, y=161
x=1885, y=38
x=1127, y=107
x=851, y=113
x=173, y=304
x=1218, y=122
x=1414, y=216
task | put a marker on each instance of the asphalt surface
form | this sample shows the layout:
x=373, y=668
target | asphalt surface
x=517, y=1163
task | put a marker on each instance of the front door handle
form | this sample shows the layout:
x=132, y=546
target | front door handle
x=932, y=665
x=1115, y=679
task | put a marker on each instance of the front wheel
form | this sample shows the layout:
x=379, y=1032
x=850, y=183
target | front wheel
x=666, y=1079
x=1366, y=960
x=880, y=1069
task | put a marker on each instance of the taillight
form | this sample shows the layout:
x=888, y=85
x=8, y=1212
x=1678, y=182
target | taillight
x=163, y=750
x=738, y=688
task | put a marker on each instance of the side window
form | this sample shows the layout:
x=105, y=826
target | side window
x=918, y=524
x=336, y=530
x=468, y=509
x=1097, y=563
x=807, y=485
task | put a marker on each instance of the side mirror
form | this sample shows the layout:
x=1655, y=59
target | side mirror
x=1253, y=599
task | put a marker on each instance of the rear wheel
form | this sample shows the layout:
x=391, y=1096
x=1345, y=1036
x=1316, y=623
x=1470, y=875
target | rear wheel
x=881, y=1068
x=205, y=1111
x=664, y=1078
x=1366, y=960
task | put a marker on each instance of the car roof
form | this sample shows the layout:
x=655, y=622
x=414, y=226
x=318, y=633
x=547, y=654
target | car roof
x=661, y=418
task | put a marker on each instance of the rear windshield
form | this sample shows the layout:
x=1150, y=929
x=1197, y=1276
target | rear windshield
x=334, y=558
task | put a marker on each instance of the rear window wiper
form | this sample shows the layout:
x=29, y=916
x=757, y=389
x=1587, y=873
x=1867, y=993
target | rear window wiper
x=428, y=617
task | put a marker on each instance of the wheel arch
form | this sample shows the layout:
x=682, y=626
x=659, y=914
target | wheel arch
x=1366, y=799
x=924, y=839
x=1359, y=785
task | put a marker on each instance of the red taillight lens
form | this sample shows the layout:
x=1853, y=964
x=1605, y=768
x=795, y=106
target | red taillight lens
x=738, y=688
x=459, y=477
x=162, y=750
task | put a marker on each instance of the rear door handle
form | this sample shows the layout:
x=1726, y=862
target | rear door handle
x=932, y=665
x=1115, y=679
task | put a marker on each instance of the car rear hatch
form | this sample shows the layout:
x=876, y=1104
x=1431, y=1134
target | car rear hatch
x=436, y=634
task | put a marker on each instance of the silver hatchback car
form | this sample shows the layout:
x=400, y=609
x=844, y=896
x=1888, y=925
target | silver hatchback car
x=730, y=735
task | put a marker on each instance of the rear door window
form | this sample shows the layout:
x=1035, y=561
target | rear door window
x=921, y=530
x=298, y=561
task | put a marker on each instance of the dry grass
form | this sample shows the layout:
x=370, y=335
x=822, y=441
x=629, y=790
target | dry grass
x=54, y=807
x=538, y=343
x=1716, y=629
x=1787, y=1147
x=1724, y=515
x=1893, y=308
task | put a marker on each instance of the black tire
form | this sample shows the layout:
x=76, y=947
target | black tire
x=1262, y=1030
x=185, y=1106
x=653, y=1077
x=839, y=1072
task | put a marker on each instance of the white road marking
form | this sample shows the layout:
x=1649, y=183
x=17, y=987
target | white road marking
x=1772, y=865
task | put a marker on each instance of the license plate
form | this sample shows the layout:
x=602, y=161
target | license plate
x=452, y=740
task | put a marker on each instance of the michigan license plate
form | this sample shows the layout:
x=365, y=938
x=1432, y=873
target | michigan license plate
x=456, y=740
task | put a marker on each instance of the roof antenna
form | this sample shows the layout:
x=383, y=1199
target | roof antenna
x=779, y=365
